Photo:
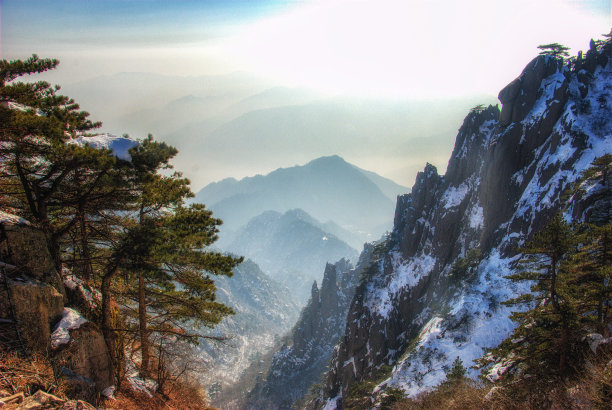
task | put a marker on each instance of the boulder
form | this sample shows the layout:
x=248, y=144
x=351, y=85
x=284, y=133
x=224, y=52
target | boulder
x=85, y=362
x=37, y=306
x=25, y=246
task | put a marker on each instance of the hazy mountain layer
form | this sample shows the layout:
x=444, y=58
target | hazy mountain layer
x=264, y=310
x=235, y=125
x=327, y=188
x=291, y=247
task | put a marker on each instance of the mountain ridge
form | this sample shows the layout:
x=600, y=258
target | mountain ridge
x=504, y=181
x=292, y=247
x=328, y=188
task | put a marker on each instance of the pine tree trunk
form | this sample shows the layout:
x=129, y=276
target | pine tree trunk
x=144, y=334
x=110, y=337
x=86, y=270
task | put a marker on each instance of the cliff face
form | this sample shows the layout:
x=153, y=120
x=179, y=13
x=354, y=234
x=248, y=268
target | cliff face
x=504, y=180
x=303, y=359
x=33, y=316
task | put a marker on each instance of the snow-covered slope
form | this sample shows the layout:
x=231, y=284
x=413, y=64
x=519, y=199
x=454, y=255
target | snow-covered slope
x=503, y=182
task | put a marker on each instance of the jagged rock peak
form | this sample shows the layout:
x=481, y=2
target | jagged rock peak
x=408, y=311
x=314, y=292
x=519, y=96
x=472, y=142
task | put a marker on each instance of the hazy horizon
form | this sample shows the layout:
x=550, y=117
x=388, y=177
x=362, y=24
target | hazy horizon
x=308, y=78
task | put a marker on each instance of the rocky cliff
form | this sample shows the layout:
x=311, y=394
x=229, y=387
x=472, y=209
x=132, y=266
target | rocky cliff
x=33, y=318
x=504, y=181
x=303, y=359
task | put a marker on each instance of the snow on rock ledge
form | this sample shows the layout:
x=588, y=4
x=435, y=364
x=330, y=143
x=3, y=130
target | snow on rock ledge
x=120, y=146
x=6, y=218
x=71, y=319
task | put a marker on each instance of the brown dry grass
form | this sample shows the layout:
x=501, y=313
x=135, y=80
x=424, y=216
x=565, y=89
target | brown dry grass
x=591, y=390
x=179, y=396
x=465, y=395
x=28, y=375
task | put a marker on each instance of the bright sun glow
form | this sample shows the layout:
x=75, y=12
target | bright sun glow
x=400, y=48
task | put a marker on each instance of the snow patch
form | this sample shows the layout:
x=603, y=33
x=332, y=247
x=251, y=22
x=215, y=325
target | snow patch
x=406, y=273
x=476, y=217
x=486, y=324
x=11, y=219
x=331, y=404
x=146, y=386
x=71, y=319
x=455, y=195
x=120, y=146
x=548, y=87
x=75, y=283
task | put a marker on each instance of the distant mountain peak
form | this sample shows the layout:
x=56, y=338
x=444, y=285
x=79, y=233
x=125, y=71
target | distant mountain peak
x=327, y=188
x=330, y=159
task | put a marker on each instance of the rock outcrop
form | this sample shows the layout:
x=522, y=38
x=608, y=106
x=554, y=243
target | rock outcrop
x=24, y=246
x=85, y=362
x=37, y=307
x=504, y=181
x=32, y=298
x=302, y=361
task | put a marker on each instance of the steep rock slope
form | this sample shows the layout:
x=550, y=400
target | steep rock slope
x=503, y=183
x=264, y=312
x=301, y=362
x=327, y=188
x=292, y=247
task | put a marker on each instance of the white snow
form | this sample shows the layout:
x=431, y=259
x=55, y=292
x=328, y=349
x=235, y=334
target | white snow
x=455, y=195
x=351, y=361
x=71, y=319
x=497, y=371
x=11, y=105
x=488, y=324
x=146, y=386
x=476, y=217
x=406, y=273
x=120, y=146
x=331, y=404
x=73, y=282
x=547, y=88
x=7, y=218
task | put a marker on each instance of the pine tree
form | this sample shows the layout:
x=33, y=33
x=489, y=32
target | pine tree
x=549, y=326
x=456, y=373
x=168, y=256
x=116, y=222
x=591, y=269
x=545, y=346
x=555, y=50
x=44, y=178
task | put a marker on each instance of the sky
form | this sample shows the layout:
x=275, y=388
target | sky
x=383, y=49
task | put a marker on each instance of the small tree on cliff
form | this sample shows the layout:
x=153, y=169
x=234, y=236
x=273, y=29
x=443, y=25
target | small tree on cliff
x=555, y=50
